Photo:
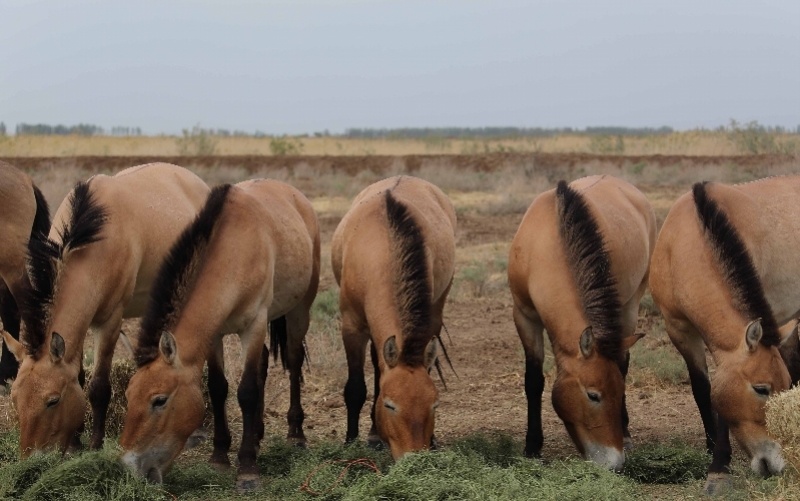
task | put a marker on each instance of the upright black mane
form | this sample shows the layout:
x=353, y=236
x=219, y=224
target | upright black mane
x=177, y=275
x=45, y=256
x=413, y=292
x=591, y=267
x=736, y=264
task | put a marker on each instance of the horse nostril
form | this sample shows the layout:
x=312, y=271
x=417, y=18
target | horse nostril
x=765, y=467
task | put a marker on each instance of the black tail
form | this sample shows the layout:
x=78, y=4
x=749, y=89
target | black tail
x=278, y=339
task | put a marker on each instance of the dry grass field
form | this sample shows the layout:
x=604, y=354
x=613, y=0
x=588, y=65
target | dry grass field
x=695, y=142
x=485, y=395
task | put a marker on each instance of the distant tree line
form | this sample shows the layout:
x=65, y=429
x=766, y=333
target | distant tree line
x=24, y=129
x=499, y=132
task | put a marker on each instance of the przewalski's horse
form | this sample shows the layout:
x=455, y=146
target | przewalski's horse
x=23, y=211
x=724, y=274
x=108, y=239
x=249, y=260
x=578, y=268
x=393, y=255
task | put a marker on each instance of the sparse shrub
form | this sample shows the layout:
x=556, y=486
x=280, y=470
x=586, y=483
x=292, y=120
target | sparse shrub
x=753, y=138
x=477, y=276
x=326, y=305
x=197, y=142
x=607, y=145
x=670, y=463
x=281, y=146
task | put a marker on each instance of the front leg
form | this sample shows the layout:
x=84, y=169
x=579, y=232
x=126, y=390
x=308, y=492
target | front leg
x=355, y=390
x=297, y=322
x=251, y=402
x=9, y=315
x=626, y=433
x=530, y=331
x=218, y=394
x=105, y=340
x=719, y=480
x=374, y=439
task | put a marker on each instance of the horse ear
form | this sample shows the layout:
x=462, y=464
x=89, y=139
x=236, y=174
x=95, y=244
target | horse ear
x=628, y=342
x=390, y=352
x=57, y=347
x=753, y=333
x=14, y=346
x=168, y=347
x=430, y=353
x=790, y=332
x=587, y=342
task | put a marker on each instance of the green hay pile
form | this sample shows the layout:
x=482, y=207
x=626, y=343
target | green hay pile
x=783, y=423
x=672, y=463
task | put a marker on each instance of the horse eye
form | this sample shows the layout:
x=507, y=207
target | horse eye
x=593, y=396
x=389, y=406
x=53, y=401
x=159, y=401
x=761, y=389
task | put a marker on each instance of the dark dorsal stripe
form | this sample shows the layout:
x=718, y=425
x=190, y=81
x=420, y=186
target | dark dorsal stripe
x=45, y=256
x=412, y=290
x=736, y=264
x=591, y=268
x=177, y=275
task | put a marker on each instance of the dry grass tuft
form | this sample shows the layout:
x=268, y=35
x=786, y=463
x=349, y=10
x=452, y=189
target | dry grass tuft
x=783, y=423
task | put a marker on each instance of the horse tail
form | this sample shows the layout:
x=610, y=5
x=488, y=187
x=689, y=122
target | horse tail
x=278, y=340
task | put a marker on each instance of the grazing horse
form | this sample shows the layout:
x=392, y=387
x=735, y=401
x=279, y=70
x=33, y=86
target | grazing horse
x=23, y=212
x=250, y=259
x=393, y=255
x=578, y=268
x=108, y=238
x=724, y=274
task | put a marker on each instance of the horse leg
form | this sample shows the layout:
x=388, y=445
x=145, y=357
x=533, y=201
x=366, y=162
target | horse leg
x=218, y=394
x=374, y=439
x=437, y=320
x=719, y=473
x=9, y=314
x=251, y=398
x=355, y=390
x=626, y=433
x=262, y=377
x=690, y=345
x=105, y=340
x=530, y=331
x=297, y=322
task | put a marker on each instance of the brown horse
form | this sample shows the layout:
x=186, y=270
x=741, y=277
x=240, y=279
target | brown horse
x=251, y=258
x=578, y=268
x=108, y=238
x=393, y=255
x=724, y=274
x=23, y=211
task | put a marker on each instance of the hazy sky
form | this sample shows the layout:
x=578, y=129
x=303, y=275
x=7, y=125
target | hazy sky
x=307, y=65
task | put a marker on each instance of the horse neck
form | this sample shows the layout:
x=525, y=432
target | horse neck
x=382, y=314
x=79, y=297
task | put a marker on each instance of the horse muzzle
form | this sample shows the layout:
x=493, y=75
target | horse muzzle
x=767, y=459
x=607, y=457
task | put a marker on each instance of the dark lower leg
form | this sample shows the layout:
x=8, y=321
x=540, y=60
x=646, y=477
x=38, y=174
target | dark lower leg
x=99, y=398
x=296, y=416
x=250, y=392
x=534, y=386
x=373, y=431
x=218, y=394
x=623, y=367
x=721, y=460
x=355, y=394
x=701, y=389
x=262, y=378
x=9, y=314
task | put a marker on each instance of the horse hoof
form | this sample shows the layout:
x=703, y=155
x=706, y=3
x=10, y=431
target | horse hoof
x=375, y=442
x=718, y=484
x=627, y=444
x=220, y=463
x=247, y=483
x=195, y=439
x=299, y=442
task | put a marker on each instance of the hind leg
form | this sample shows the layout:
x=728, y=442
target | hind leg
x=9, y=314
x=530, y=331
x=297, y=322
